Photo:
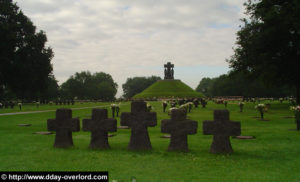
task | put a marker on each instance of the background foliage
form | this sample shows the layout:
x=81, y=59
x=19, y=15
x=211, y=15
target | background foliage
x=25, y=61
x=239, y=84
x=137, y=84
x=84, y=85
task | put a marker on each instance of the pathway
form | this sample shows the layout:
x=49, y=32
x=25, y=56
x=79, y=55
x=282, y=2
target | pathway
x=33, y=112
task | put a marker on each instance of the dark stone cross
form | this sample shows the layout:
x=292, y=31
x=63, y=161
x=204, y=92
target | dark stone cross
x=113, y=110
x=221, y=128
x=203, y=103
x=139, y=120
x=64, y=125
x=179, y=127
x=164, y=106
x=6, y=105
x=196, y=103
x=117, y=110
x=190, y=107
x=99, y=125
x=169, y=71
x=12, y=105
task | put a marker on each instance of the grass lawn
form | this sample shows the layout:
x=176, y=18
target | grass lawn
x=273, y=156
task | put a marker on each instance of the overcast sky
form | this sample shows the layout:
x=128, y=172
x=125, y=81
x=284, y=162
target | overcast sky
x=129, y=38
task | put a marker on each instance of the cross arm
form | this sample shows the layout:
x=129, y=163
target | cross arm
x=125, y=118
x=68, y=124
x=75, y=124
x=234, y=129
x=110, y=125
x=86, y=124
x=166, y=125
x=190, y=126
x=208, y=127
x=151, y=119
x=51, y=124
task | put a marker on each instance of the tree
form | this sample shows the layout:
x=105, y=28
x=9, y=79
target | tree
x=25, y=62
x=136, y=85
x=268, y=44
x=84, y=85
x=52, y=90
x=205, y=86
x=75, y=86
x=239, y=84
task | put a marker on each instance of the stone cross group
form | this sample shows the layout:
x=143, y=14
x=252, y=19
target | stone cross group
x=169, y=71
x=138, y=120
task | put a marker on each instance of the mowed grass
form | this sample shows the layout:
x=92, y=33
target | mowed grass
x=29, y=107
x=168, y=88
x=273, y=156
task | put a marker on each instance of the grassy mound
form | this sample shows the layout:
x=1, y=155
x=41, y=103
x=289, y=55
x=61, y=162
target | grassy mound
x=168, y=89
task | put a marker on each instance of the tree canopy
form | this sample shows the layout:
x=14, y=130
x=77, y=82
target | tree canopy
x=84, y=85
x=25, y=62
x=205, y=86
x=240, y=85
x=136, y=85
x=52, y=90
x=268, y=44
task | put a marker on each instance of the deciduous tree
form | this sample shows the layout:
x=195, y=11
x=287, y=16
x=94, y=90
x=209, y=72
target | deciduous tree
x=268, y=44
x=136, y=85
x=84, y=85
x=25, y=61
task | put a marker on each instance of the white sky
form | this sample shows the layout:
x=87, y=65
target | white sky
x=128, y=38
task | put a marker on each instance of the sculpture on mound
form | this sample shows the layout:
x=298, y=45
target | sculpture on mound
x=169, y=71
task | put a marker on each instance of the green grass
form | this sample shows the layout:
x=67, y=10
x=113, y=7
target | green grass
x=273, y=156
x=168, y=89
x=33, y=107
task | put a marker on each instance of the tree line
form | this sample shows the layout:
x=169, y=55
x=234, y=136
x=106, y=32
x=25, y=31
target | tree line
x=25, y=61
x=81, y=86
x=240, y=85
x=264, y=63
x=267, y=51
x=268, y=43
x=26, y=69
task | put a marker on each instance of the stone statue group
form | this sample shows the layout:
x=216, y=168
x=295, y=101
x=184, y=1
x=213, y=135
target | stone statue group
x=138, y=120
x=169, y=71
